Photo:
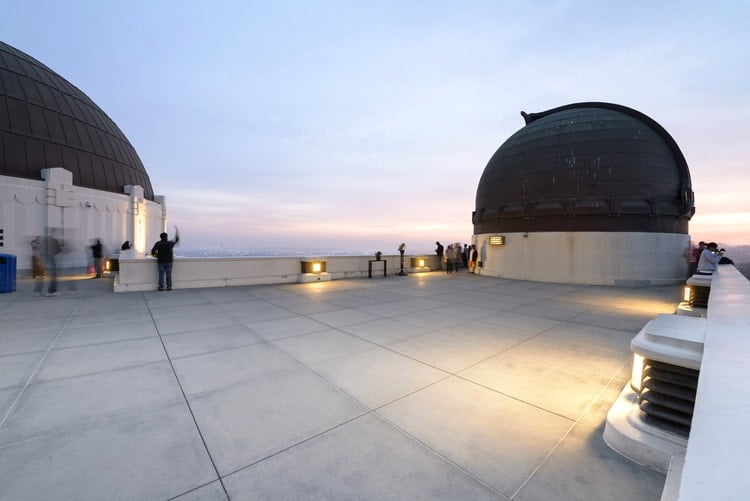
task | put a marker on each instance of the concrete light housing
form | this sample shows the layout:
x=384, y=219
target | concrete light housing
x=650, y=421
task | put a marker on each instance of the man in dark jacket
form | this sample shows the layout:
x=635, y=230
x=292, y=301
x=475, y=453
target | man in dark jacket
x=164, y=254
x=439, y=252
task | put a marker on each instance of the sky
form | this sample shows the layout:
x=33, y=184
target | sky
x=361, y=125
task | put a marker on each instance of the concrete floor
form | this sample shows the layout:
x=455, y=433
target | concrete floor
x=421, y=387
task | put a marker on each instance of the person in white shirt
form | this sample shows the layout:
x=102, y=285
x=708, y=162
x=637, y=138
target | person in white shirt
x=709, y=258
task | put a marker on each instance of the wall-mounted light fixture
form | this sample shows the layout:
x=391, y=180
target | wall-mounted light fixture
x=313, y=266
x=314, y=270
x=417, y=264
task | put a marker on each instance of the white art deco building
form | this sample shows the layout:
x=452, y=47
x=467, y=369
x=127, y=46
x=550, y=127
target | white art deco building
x=66, y=167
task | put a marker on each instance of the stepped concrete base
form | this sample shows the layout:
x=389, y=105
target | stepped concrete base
x=626, y=433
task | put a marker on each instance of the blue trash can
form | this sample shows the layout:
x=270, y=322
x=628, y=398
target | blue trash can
x=7, y=273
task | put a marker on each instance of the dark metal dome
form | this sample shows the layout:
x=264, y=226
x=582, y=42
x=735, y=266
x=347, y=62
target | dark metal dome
x=586, y=167
x=47, y=122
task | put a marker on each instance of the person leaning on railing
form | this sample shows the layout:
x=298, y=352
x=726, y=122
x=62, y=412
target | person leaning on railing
x=709, y=258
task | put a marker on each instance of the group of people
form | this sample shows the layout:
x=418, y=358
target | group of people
x=705, y=258
x=456, y=257
x=45, y=251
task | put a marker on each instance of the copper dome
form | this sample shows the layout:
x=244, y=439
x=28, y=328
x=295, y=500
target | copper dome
x=586, y=167
x=45, y=121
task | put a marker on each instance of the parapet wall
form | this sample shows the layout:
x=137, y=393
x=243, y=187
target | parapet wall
x=140, y=274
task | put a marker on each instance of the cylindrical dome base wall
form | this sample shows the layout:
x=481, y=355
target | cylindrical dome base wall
x=595, y=258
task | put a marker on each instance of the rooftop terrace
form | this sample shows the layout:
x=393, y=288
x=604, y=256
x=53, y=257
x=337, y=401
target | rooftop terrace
x=420, y=387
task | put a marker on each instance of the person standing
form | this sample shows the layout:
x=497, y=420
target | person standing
x=473, y=258
x=97, y=251
x=163, y=251
x=695, y=255
x=439, y=252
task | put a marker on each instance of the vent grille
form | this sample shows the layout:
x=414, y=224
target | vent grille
x=699, y=296
x=667, y=396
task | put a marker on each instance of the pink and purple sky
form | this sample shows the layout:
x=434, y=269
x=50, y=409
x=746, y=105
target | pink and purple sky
x=359, y=125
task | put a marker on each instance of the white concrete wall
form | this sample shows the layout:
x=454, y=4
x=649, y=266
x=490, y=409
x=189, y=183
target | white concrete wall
x=719, y=442
x=598, y=258
x=140, y=274
x=27, y=207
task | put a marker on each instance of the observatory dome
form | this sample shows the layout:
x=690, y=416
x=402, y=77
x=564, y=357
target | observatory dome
x=586, y=167
x=45, y=121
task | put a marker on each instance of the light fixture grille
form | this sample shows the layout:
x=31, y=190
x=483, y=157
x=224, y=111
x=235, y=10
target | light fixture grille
x=667, y=396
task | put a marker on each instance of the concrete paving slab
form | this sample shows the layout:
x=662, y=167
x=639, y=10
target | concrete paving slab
x=449, y=353
x=520, y=323
x=285, y=327
x=223, y=369
x=467, y=312
x=159, y=313
x=387, y=310
x=432, y=319
x=110, y=302
x=341, y=318
x=423, y=303
x=582, y=456
x=494, y=437
x=553, y=310
x=331, y=466
x=218, y=295
x=128, y=447
x=600, y=360
x=494, y=337
x=78, y=401
x=377, y=376
x=37, y=324
x=163, y=299
x=254, y=420
x=256, y=310
x=175, y=325
x=43, y=307
x=596, y=336
x=191, y=343
x=16, y=369
x=94, y=334
x=385, y=331
x=613, y=318
x=596, y=415
x=562, y=390
x=7, y=397
x=290, y=299
x=102, y=318
x=319, y=346
x=17, y=343
x=93, y=358
x=313, y=307
x=211, y=492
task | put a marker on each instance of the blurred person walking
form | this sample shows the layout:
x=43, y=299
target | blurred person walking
x=50, y=248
